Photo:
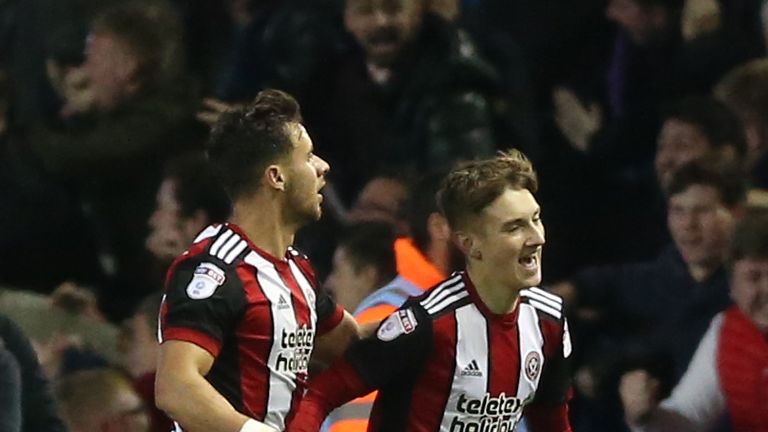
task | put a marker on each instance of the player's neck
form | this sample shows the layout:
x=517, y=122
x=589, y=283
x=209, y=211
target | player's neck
x=497, y=296
x=264, y=226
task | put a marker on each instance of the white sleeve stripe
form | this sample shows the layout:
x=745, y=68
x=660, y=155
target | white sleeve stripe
x=447, y=283
x=228, y=246
x=207, y=233
x=442, y=294
x=548, y=295
x=447, y=302
x=541, y=299
x=220, y=241
x=544, y=308
x=236, y=251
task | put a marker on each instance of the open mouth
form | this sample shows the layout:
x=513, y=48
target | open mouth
x=529, y=262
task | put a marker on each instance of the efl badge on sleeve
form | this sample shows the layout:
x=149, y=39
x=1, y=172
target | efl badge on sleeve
x=399, y=323
x=206, y=279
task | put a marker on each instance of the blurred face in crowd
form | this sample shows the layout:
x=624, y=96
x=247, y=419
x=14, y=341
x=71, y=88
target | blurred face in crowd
x=349, y=284
x=700, y=225
x=129, y=414
x=507, y=238
x=381, y=200
x=305, y=176
x=110, y=67
x=749, y=289
x=678, y=144
x=642, y=23
x=170, y=232
x=383, y=27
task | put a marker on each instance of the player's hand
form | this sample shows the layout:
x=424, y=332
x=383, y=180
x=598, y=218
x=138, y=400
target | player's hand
x=639, y=394
x=577, y=122
x=213, y=109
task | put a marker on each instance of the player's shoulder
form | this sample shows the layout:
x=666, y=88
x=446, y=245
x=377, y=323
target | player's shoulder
x=216, y=251
x=546, y=304
x=444, y=298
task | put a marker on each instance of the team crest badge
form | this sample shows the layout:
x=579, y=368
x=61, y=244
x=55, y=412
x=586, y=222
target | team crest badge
x=532, y=365
x=206, y=279
x=399, y=323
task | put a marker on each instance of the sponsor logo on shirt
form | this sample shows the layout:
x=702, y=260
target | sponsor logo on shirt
x=472, y=370
x=295, y=350
x=532, y=365
x=489, y=414
x=205, y=279
x=399, y=323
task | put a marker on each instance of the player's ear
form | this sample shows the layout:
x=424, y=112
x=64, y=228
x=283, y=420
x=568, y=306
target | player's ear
x=466, y=244
x=274, y=176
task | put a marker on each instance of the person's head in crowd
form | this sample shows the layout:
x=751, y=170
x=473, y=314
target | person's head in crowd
x=745, y=91
x=694, y=128
x=705, y=197
x=383, y=28
x=189, y=198
x=364, y=261
x=449, y=10
x=748, y=259
x=428, y=226
x=382, y=199
x=263, y=150
x=645, y=21
x=137, y=342
x=100, y=400
x=131, y=47
x=496, y=220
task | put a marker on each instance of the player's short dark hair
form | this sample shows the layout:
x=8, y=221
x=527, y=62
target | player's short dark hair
x=728, y=179
x=471, y=187
x=713, y=119
x=371, y=244
x=247, y=140
x=750, y=236
x=196, y=188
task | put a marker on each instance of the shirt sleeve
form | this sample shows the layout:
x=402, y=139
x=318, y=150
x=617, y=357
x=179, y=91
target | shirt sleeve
x=203, y=303
x=397, y=351
x=399, y=348
x=555, y=385
x=697, y=402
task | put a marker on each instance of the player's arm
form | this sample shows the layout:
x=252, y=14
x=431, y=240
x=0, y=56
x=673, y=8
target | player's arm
x=332, y=344
x=549, y=410
x=181, y=389
x=398, y=350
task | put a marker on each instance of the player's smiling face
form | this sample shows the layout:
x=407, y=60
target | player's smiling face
x=508, y=237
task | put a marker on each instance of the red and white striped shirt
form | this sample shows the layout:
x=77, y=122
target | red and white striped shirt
x=256, y=314
x=444, y=362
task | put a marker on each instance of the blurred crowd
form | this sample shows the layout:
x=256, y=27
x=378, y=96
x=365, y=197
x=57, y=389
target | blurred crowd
x=647, y=121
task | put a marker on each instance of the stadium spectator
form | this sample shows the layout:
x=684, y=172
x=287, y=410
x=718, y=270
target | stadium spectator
x=745, y=90
x=654, y=313
x=127, y=110
x=139, y=347
x=189, y=199
x=36, y=404
x=727, y=372
x=100, y=400
x=410, y=94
